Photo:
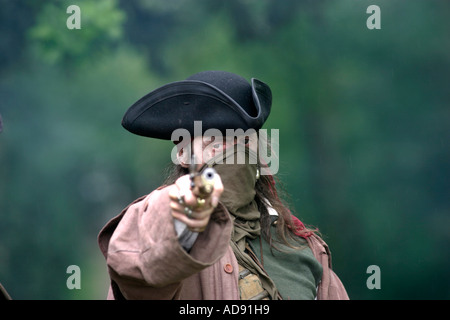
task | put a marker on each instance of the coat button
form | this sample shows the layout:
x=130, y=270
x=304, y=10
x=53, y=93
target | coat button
x=228, y=268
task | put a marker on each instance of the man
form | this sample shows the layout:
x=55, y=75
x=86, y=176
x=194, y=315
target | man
x=239, y=242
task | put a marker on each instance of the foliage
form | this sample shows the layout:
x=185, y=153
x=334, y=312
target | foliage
x=101, y=23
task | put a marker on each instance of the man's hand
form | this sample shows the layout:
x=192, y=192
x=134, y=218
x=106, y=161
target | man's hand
x=190, y=209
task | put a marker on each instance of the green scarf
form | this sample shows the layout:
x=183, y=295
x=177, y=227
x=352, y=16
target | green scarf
x=239, y=182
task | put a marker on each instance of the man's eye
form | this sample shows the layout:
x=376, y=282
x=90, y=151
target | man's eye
x=244, y=141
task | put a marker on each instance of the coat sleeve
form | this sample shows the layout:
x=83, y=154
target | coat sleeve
x=144, y=256
x=330, y=287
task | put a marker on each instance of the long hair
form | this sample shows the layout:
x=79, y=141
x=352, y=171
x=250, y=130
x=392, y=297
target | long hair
x=267, y=193
x=289, y=229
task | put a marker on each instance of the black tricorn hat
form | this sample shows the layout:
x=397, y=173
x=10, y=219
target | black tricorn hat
x=219, y=99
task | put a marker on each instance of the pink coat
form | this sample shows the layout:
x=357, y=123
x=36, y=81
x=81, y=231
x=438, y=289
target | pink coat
x=146, y=261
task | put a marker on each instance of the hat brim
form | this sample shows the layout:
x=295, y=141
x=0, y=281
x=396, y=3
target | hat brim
x=179, y=104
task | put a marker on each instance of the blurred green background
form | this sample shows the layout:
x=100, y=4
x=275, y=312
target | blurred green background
x=363, y=116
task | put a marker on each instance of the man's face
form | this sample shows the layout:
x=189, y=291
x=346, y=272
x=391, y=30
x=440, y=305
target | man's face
x=207, y=147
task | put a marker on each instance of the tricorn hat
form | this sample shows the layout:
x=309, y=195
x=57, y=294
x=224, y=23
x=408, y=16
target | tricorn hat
x=219, y=99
